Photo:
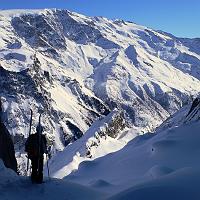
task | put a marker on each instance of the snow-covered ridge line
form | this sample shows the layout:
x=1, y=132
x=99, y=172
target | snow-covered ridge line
x=99, y=140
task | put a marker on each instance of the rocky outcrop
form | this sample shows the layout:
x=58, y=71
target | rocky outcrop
x=7, y=153
x=194, y=112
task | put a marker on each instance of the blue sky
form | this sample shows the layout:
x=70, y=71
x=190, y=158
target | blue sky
x=179, y=17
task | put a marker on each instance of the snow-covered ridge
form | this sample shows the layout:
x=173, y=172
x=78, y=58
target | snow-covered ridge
x=100, y=139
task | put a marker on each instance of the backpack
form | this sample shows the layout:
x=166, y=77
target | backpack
x=32, y=146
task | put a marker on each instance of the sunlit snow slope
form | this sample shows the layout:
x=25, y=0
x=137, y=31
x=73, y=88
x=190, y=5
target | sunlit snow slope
x=159, y=165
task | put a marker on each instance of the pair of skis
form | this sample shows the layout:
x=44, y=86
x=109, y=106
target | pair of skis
x=39, y=146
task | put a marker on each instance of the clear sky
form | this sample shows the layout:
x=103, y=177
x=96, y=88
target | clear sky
x=179, y=17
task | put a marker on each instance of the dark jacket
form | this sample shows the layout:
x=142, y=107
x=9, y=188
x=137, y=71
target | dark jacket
x=32, y=146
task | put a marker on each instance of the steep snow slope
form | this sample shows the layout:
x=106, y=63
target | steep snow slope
x=158, y=165
x=86, y=66
x=105, y=136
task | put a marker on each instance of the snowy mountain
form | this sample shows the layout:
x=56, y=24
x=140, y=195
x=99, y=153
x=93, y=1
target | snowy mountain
x=77, y=69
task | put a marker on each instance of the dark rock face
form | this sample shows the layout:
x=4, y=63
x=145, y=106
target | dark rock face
x=75, y=130
x=7, y=153
x=31, y=84
x=195, y=103
x=115, y=125
x=28, y=26
x=51, y=29
x=194, y=112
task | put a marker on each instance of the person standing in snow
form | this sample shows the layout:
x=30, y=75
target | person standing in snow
x=36, y=146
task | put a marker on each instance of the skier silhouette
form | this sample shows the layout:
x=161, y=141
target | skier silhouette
x=36, y=146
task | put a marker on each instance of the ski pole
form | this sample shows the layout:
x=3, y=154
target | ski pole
x=48, y=166
x=30, y=124
x=39, y=143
